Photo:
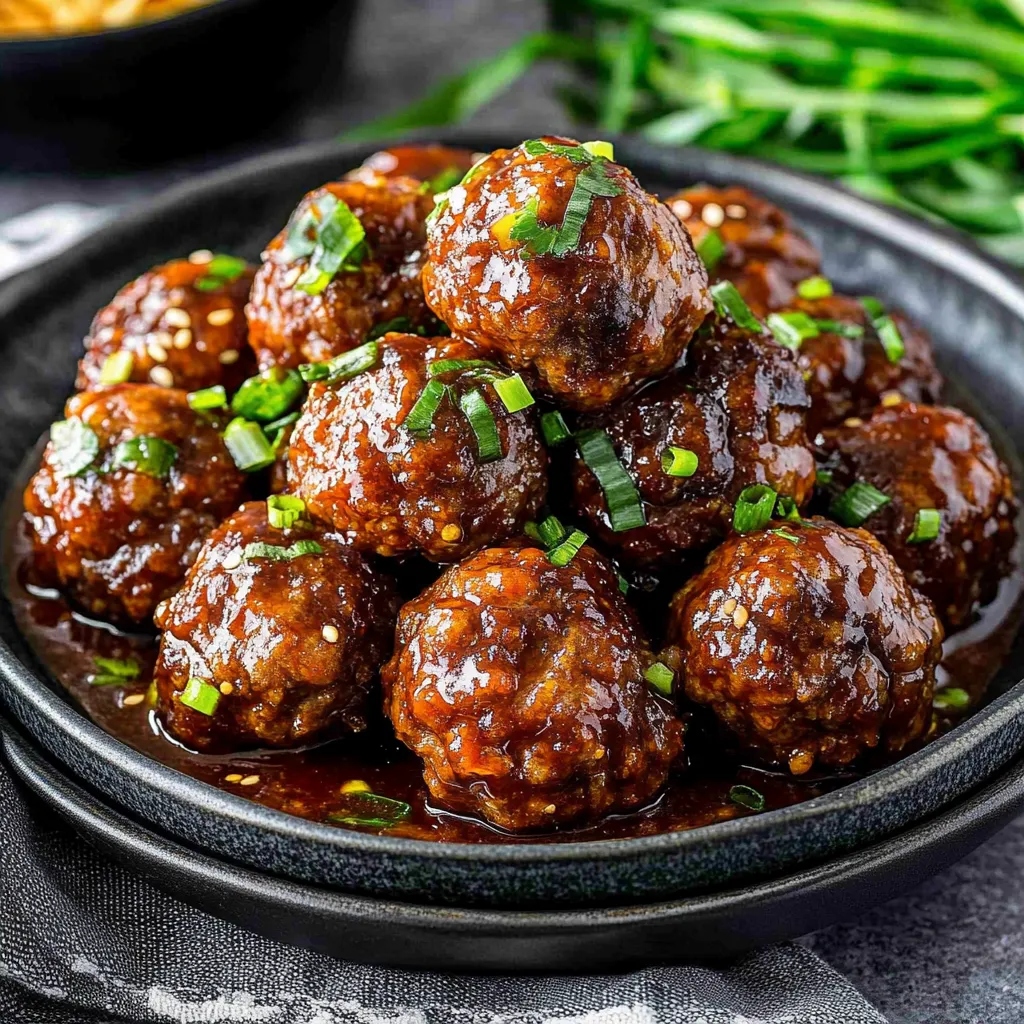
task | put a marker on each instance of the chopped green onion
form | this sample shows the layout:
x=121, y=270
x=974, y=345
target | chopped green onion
x=623, y=584
x=747, y=796
x=201, y=696
x=786, y=507
x=117, y=367
x=399, y=325
x=342, y=367
x=660, y=676
x=441, y=366
x=123, y=668
x=711, y=249
x=550, y=531
x=927, y=523
x=857, y=504
x=625, y=510
x=73, y=446
x=268, y=395
x=554, y=428
x=786, y=535
x=339, y=243
x=442, y=182
x=952, y=698
x=371, y=811
x=754, y=508
x=532, y=530
x=284, y=510
x=277, y=553
x=838, y=327
x=602, y=149
x=729, y=303
x=885, y=327
x=421, y=415
x=562, y=555
x=248, y=445
x=275, y=432
x=823, y=477
x=513, y=392
x=150, y=455
x=220, y=271
x=790, y=329
x=485, y=428
x=679, y=461
x=208, y=399
x=815, y=287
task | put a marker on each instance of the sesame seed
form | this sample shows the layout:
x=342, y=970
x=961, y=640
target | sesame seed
x=229, y=356
x=161, y=338
x=550, y=809
x=162, y=376
x=736, y=211
x=219, y=317
x=250, y=780
x=712, y=215
x=175, y=317
x=233, y=777
x=682, y=209
x=451, y=533
x=232, y=560
x=289, y=279
x=156, y=353
x=133, y=699
x=182, y=338
x=201, y=257
x=176, y=296
x=355, y=786
x=330, y=633
x=853, y=421
x=226, y=688
x=891, y=398
x=730, y=606
x=740, y=616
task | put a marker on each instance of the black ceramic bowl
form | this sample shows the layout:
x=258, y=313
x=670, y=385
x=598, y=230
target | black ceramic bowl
x=975, y=310
x=164, y=89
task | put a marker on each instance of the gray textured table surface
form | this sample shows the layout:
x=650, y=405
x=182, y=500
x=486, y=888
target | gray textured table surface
x=949, y=952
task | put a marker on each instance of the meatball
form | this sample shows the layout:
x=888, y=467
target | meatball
x=765, y=255
x=375, y=285
x=131, y=483
x=922, y=458
x=739, y=406
x=283, y=645
x=520, y=685
x=808, y=643
x=592, y=299
x=179, y=325
x=444, y=166
x=847, y=369
x=391, y=490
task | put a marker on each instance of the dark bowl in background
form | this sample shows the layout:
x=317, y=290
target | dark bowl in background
x=165, y=89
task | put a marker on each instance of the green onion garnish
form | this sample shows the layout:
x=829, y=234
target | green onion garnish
x=481, y=420
x=747, y=796
x=660, y=676
x=554, y=428
x=624, y=507
x=952, y=698
x=275, y=432
x=277, y=553
x=679, y=461
x=786, y=507
x=150, y=455
x=569, y=548
x=754, y=508
x=513, y=392
x=623, y=584
x=421, y=415
x=786, y=535
x=117, y=367
x=201, y=696
x=342, y=367
x=220, y=271
x=284, y=510
x=442, y=182
x=441, y=366
x=550, y=531
x=790, y=329
x=927, y=523
x=711, y=249
x=248, y=445
x=885, y=327
x=857, y=504
x=399, y=325
x=729, y=303
x=840, y=328
x=338, y=242
x=114, y=671
x=208, y=398
x=73, y=446
x=268, y=395
x=816, y=287
x=823, y=477
x=371, y=811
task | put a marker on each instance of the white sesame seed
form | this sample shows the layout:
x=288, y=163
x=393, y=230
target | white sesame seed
x=682, y=209
x=176, y=296
x=330, y=633
x=162, y=376
x=891, y=398
x=161, y=338
x=730, y=606
x=156, y=352
x=229, y=356
x=853, y=421
x=201, y=257
x=712, y=215
x=133, y=699
x=232, y=560
x=220, y=317
x=289, y=279
x=550, y=809
x=233, y=777
x=226, y=688
x=250, y=780
x=182, y=338
x=740, y=616
x=736, y=211
x=175, y=317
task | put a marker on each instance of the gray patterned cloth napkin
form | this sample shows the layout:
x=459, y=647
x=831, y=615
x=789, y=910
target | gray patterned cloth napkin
x=84, y=942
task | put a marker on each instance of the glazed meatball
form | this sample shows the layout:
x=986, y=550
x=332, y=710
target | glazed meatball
x=520, y=685
x=739, y=406
x=130, y=485
x=808, y=643
x=847, y=369
x=589, y=316
x=927, y=457
x=765, y=255
x=288, y=325
x=180, y=325
x=442, y=165
x=390, y=490
x=285, y=645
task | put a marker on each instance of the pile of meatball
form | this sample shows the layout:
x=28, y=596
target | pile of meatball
x=526, y=371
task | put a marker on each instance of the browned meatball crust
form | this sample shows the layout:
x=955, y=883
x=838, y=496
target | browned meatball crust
x=287, y=326
x=292, y=645
x=928, y=457
x=739, y=405
x=590, y=324
x=116, y=539
x=183, y=327
x=424, y=163
x=813, y=651
x=520, y=685
x=847, y=376
x=356, y=465
x=765, y=254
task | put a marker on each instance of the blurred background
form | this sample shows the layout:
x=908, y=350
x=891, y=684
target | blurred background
x=919, y=103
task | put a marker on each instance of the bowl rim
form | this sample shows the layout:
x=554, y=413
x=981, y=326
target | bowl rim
x=944, y=248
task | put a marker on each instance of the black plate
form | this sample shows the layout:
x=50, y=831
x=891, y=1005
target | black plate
x=975, y=310
x=447, y=938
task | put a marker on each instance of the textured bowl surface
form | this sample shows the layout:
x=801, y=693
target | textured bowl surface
x=974, y=309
